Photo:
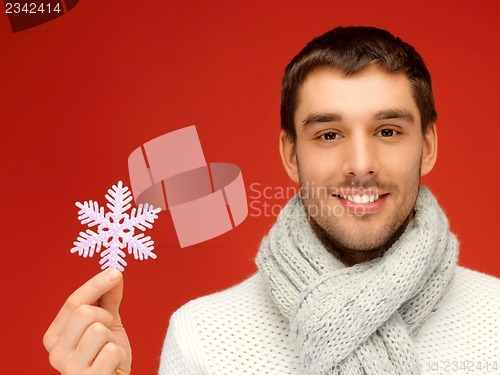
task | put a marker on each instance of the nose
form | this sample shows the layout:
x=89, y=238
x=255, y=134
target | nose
x=360, y=156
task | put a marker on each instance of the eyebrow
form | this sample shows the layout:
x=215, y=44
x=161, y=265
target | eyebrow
x=314, y=118
x=389, y=114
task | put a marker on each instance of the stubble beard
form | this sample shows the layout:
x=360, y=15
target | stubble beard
x=347, y=243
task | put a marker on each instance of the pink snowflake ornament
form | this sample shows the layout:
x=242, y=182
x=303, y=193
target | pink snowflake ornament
x=115, y=229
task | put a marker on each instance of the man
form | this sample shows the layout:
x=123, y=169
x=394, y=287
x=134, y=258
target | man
x=358, y=275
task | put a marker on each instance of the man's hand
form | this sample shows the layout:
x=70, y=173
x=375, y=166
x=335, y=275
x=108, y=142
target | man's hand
x=87, y=336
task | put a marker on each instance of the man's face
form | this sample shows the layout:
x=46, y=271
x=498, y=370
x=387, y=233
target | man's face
x=359, y=154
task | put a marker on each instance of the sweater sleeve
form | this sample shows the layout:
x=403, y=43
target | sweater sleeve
x=182, y=352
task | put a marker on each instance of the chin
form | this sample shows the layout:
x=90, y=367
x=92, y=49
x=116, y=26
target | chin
x=365, y=245
x=364, y=234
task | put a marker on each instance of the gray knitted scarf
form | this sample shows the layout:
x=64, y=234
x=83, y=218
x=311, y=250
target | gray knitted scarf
x=360, y=319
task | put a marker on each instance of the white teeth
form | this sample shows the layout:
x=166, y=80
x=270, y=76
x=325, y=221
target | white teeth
x=363, y=199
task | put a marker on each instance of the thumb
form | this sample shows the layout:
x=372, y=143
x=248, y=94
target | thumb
x=111, y=300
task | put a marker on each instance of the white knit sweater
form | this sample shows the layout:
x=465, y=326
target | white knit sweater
x=241, y=331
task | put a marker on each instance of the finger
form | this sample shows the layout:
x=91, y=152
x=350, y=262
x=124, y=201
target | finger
x=87, y=294
x=79, y=322
x=111, y=300
x=93, y=340
x=110, y=359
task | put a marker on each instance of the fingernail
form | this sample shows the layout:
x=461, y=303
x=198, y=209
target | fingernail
x=113, y=274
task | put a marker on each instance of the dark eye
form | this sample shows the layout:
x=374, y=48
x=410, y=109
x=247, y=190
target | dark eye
x=387, y=133
x=330, y=136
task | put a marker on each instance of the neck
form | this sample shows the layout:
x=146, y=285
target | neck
x=349, y=256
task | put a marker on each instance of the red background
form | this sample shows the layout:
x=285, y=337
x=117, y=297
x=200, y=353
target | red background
x=79, y=93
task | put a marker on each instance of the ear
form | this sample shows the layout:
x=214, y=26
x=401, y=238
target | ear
x=289, y=156
x=429, y=152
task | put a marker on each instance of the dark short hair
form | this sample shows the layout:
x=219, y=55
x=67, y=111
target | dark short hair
x=351, y=49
